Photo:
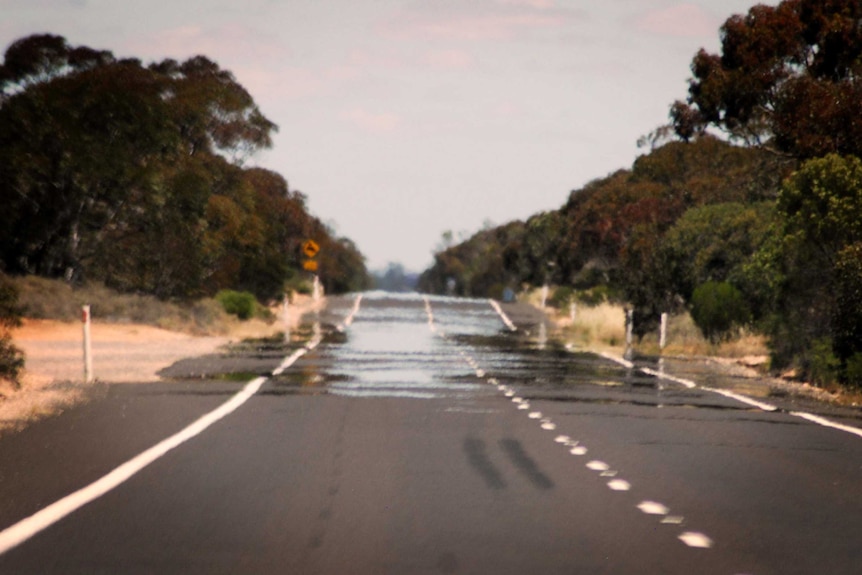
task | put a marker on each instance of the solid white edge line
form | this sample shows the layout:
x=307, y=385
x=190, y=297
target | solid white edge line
x=684, y=382
x=615, y=359
x=739, y=397
x=502, y=315
x=827, y=423
x=290, y=360
x=743, y=398
x=430, y=314
x=28, y=527
x=350, y=317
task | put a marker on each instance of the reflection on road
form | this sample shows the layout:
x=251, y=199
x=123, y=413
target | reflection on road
x=424, y=347
x=390, y=351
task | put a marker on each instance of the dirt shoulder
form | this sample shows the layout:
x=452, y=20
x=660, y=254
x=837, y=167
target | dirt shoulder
x=122, y=353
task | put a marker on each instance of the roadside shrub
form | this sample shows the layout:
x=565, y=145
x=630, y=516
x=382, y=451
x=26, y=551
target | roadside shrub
x=822, y=364
x=562, y=297
x=717, y=308
x=595, y=296
x=241, y=304
x=43, y=298
x=11, y=358
x=847, y=315
x=853, y=371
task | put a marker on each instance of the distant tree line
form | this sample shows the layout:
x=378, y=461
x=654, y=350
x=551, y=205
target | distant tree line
x=395, y=278
x=746, y=211
x=132, y=175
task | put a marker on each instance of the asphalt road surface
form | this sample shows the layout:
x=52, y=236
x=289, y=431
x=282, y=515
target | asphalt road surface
x=402, y=435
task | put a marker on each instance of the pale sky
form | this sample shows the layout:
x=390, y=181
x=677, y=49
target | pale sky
x=401, y=119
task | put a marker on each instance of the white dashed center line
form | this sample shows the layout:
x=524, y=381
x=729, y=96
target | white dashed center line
x=619, y=485
x=653, y=508
x=689, y=538
x=693, y=539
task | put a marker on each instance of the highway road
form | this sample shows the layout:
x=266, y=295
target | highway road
x=402, y=435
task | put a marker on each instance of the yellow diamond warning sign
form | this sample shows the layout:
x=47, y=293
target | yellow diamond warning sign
x=310, y=248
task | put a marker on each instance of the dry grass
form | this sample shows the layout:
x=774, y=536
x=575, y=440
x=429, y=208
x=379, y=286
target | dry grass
x=602, y=328
x=53, y=299
x=122, y=351
x=685, y=339
x=42, y=398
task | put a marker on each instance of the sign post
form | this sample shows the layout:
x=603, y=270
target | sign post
x=311, y=248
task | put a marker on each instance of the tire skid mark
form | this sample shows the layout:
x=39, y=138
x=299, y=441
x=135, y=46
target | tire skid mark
x=321, y=529
x=526, y=464
x=477, y=455
x=692, y=539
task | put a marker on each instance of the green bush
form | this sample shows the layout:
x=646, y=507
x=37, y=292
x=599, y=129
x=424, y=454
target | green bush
x=241, y=304
x=822, y=366
x=595, y=296
x=562, y=297
x=11, y=358
x=853, y=371
x=717, y=308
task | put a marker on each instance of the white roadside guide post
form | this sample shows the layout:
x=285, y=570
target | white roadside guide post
x=630, y=320
x=548, y=278
x=285, y=316
x=88, y=348
x=316, y=290
x=662, y=339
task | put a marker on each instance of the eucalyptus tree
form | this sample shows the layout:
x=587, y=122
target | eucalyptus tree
x=109, y=168
x=787, y=77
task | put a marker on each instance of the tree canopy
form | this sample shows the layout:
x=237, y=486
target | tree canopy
x=133, y=174
x=609, y=232
x=787, y=77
